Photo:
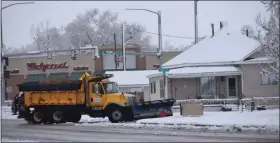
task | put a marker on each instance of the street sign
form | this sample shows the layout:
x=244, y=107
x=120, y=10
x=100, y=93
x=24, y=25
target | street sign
x=106, y=52
x=163, y=69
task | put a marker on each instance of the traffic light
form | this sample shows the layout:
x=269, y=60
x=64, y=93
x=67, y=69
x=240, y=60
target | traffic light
x=6, y=61
x=74, y=55
x=49, y=55
x=6, y=74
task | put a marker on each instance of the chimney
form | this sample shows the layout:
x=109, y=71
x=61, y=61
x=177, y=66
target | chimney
x=221, y=25
x=212, y=25
x=247, y=32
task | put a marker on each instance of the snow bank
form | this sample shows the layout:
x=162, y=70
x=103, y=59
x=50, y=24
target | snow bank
x=268, y=119
x=257, y=121
x=7, y=113
x=88, y=119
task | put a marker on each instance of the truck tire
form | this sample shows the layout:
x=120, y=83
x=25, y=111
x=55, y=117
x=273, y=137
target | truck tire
x=76, y=118
x=57, y=117
x=115, y=115
x=37, y=117
x=128, y=115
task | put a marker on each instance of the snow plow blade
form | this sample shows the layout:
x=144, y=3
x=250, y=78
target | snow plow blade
x=153, y=109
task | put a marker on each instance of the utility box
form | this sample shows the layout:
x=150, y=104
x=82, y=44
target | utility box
x=192, y=109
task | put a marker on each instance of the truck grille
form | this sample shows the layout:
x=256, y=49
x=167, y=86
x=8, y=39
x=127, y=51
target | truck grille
x=131, y=100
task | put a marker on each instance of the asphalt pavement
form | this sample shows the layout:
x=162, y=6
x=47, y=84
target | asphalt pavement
x=20, y=130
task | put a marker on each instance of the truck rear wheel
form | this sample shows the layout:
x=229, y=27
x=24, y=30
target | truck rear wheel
x=57, y=116
x=37, y=117
x=115, y=115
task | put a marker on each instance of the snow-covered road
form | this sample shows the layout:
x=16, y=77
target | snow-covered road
x=18, y=130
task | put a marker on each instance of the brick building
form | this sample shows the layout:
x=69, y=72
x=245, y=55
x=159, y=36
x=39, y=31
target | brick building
x=35, y=68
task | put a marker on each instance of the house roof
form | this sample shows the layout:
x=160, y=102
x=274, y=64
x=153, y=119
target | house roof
x=199, y=72
x=131, y=78
x=225, y=46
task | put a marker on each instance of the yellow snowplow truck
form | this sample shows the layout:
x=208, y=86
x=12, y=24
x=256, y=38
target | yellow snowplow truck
x=54, y=101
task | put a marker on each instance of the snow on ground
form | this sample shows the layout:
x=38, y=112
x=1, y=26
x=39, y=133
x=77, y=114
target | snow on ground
x=88, y=119
x=15, y=140
x=257, y=121
x=7, y=113
x=256, y=118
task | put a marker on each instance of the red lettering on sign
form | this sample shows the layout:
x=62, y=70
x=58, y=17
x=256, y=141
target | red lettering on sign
x=44, y=67
x=79, y=68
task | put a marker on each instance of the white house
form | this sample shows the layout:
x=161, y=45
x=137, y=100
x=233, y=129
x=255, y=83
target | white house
x=225, y=65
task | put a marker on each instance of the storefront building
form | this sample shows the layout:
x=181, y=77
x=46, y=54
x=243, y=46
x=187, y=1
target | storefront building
x=37, y=67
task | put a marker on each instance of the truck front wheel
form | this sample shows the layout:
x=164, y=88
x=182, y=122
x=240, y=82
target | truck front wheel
x=75, y=118
x=115, y=115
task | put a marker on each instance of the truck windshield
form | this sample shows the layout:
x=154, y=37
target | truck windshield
x=111, y=87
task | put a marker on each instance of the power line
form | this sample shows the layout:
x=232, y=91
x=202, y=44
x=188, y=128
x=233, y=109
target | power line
x=167, y=35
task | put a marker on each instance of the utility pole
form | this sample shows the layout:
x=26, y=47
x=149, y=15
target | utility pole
x=123, y=47
x=115, y=44
x=159, y=38
x=195, y=22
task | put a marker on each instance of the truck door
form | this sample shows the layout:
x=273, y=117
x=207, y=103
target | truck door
x=97, y=96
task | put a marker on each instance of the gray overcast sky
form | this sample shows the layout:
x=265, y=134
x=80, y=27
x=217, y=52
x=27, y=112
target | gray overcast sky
x=177, y=17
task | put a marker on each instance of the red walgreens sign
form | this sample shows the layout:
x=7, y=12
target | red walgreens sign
x=42, y=66
x=80, y=68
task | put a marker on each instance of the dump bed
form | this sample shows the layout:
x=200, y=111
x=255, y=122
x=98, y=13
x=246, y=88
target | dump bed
x=40, y=94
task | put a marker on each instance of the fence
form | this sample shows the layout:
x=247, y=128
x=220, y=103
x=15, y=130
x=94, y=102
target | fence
x=243, y=104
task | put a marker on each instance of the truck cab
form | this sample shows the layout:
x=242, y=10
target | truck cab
x=104, y=97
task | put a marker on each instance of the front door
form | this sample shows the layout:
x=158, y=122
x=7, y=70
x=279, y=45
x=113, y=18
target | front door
x=96, y=95
x=232, y=88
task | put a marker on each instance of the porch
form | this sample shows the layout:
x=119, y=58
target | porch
x=206, y=87
x=220, y=82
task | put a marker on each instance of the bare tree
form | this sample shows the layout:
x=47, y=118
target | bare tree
x=92, y=28
x=95, y=28
x=268, y=36
x=41, y=35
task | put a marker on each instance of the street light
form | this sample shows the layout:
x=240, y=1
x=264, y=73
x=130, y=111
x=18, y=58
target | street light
x=16, y=4
x=159, y=30
x=2, y=45
x=159, y=41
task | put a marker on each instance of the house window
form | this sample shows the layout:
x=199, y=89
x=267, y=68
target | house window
x=268, y=79
x=208, y=86
x=161, y=89
x=153, y=87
